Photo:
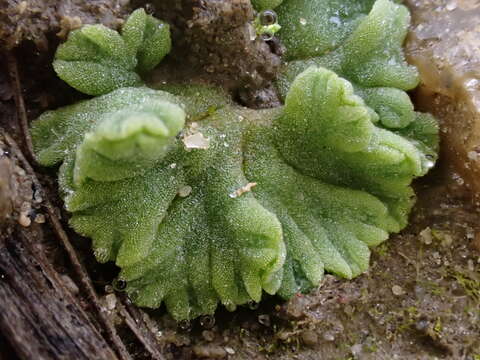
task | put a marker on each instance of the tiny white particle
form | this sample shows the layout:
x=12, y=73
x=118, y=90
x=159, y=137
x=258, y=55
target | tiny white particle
x=242, y=190
x=196, y=141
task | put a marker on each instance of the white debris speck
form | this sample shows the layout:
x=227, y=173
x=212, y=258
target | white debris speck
x=173, y=165
x=426, y=236
x=184, y=191
x=303, y=21
x=196, y=141
x=242, y=190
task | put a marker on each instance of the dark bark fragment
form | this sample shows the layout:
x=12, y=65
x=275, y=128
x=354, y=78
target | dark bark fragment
x=39, y=317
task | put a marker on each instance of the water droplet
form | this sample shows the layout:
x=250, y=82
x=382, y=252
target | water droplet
x=119, y=284
x=268, y=17
x=207, y=321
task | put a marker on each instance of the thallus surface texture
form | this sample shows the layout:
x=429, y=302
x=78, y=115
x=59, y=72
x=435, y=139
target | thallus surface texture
x=200, y=201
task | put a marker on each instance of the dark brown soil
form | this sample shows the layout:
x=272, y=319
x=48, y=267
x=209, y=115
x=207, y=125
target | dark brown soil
x=36, y=20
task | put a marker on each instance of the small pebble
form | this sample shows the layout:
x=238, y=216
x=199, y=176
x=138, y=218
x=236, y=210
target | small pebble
x=208, y=335
x=229, y=350
x=472, y=155
x=426, y=236
x=356, y=350
x=264, y=319
x=470, y=265
x=328, y=336
x=40, y=218
x=309, y=337
x=348, y=309
x=397, y=290
x=208, y=351
x=24, y=220
x=111, y=301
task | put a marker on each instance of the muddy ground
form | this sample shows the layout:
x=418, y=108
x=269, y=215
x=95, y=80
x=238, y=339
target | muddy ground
x=419, y=300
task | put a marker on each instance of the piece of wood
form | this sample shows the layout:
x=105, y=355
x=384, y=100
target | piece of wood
x=37, y=316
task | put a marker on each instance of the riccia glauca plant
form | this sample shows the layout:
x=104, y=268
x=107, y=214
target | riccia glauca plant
x=199, y=200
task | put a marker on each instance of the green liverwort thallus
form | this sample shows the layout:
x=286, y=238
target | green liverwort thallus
x=149, y=174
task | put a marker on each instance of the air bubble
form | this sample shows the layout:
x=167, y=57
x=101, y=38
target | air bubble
x=119, y=284
x=268, y=17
